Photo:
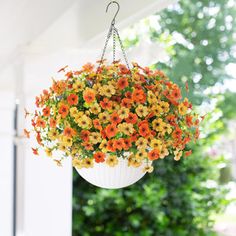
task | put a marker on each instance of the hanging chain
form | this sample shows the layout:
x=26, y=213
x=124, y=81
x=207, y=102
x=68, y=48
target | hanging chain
x=122, y=48
x=114, y=31
x=105, y=46
x=114, y=44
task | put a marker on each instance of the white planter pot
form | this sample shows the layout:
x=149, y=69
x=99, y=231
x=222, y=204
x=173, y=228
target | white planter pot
x=120, y=176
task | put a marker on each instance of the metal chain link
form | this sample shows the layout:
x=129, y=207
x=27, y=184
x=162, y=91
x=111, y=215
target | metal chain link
x=105, y=46
x=113, y=31
x=122, y=48
x=114, y=45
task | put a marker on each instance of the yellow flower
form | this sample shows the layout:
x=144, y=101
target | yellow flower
x=48, y=152
x=141, y=154
x=123, y=112
x=75, y=151
x=111, y=161
x=177, y=154
x=95, y=137
x=95, y=108
x=78, y=86
x=97, y=86
x=164, y=152
x=112, y=83
x=151, y=97
x=77, y=163
x=103, y=145
x=126, y=128
x=67, y=141
x=141, y=143
x=53, y=134
x=141, y=111
x=78, y=116
x=114, y=107
x=148, y=169
x=104, y=117
x=58, y=119
x=73, y=112
x=156, y=144
x=164, y=106
x=157, y=109
x=132, y=161
x=87, y=113
x=87, y=163
x=182, y=109
x=84, y=122
x=107, y=90
x=157, y=124
x=166, y=128
x=62, y=147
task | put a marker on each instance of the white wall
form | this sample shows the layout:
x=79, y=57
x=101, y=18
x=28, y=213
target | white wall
x=6, y=162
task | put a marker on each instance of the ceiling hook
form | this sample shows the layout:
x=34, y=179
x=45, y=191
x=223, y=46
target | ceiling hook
x=118, y=5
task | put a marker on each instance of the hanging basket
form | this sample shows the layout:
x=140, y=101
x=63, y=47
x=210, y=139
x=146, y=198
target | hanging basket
x=120, y=176
x=113, y=120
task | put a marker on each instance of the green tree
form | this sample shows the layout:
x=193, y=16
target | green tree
x=179, y=198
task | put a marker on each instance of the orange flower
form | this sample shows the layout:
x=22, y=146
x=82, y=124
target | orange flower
x=110, y=146
x=46, y=111
x=97, y=124
x=38, y=138
x=84, y=135
x=69, y=132
x=176, y=94
x=153, y=155
x=115, y=118
x=63, y=110
x=127, y=143
x=188, y=153
x=138, y=95
x=144, y=130
x=89, y=95
x=69, y=74
x=128, y=95
x=88, y=146
x=40, y=123
x=105, y=103
x=189, y=120
x=35, y=151
x=122, y=83
x=111, y=130
x=99, y=157
x=126, y=102
x=73, y=99
x=132, y=118
x=171, y=119
x=197, y=133
x=119, y=144
x=27, y=133
x=103, y=134
x=177, y=133
x=88, y=67
x=52, y=123
x=123, y=69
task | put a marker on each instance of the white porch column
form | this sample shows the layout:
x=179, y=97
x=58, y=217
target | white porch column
x=44, y=190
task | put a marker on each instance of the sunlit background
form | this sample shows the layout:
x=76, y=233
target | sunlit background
x=193, y=42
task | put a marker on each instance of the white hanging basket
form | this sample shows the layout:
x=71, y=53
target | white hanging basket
x=119, y=176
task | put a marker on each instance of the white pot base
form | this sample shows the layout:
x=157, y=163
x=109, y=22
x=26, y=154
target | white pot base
x=119, y=176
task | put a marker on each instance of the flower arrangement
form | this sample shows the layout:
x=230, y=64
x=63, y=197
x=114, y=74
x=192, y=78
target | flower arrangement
x=101, y=115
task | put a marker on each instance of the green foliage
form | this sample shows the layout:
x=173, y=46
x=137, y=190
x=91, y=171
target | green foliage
x=179, y=198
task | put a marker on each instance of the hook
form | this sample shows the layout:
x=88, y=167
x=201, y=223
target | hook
x=118, y=5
